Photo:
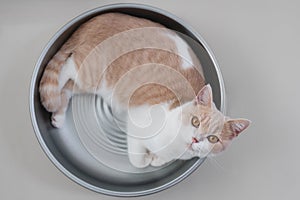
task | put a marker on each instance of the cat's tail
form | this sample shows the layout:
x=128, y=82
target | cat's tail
x=49, y=85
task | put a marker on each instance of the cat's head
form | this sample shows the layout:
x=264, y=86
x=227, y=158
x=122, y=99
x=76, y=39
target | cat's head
x=206, y=129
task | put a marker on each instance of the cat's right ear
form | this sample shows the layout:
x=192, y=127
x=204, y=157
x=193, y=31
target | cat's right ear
x=236, y=126
x=204, y=97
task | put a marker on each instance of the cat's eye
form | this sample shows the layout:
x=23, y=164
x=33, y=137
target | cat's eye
x=195, y=122
x=213, y=139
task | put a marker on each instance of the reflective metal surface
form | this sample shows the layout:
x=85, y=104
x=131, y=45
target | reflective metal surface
x=66, y=147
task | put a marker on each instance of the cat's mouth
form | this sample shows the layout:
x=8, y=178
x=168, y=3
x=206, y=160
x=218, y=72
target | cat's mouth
x=194, y=140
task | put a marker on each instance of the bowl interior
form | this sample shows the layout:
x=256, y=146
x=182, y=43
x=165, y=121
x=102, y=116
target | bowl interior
x=65, y=149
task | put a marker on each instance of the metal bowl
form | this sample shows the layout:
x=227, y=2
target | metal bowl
x=64, y=146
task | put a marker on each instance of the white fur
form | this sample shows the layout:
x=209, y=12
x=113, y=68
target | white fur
x=68, y=71
x=182, y=48
x=58, y=120
x=202, y=148
x=105, y=92
x=150, y=118
x=162, y=142
x=238, y=126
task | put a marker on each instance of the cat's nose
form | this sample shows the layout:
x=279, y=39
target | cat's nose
x=195, y=140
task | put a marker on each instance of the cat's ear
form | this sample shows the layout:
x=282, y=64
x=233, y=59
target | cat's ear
x=204, y=97
x=236, y=126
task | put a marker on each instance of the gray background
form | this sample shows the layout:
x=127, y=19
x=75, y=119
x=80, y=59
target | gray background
x=257, y=46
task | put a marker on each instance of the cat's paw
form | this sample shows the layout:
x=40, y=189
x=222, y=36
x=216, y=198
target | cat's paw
x=58, y=120
x=141, y=160
x=157, y=161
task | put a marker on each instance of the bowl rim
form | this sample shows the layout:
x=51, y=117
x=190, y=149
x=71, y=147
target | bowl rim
x=38, y=134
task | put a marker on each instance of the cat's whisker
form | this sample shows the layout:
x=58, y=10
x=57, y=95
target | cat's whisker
x=216, y=164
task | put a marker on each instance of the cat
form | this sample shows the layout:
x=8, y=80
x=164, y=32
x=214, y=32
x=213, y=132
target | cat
x=148, y=71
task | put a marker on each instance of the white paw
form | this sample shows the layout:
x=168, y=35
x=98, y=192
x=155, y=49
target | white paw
x=147, y=159
x=140, y=160
x=58, y=120
x=157, y=161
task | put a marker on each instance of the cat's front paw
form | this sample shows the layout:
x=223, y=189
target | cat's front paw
x=58, y=120
x=157, y=161
x=140, y=160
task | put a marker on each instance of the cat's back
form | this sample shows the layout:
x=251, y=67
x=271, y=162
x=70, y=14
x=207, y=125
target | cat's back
x=109, y=24
x=145, y=62
x=100, y=28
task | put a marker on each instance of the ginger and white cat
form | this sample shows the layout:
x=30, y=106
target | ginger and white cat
x=149, y=72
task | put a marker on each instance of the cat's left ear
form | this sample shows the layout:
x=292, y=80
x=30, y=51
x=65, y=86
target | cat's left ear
x=237, y=126
x=204, y=97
